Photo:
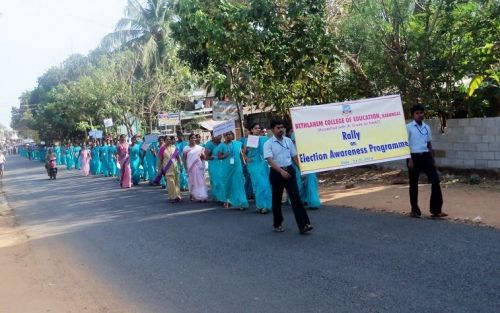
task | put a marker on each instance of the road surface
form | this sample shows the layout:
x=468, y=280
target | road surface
x=192, y=257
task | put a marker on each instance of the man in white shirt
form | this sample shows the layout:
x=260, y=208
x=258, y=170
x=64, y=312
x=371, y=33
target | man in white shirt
x=3, y=160
x=280, y=152
x=422, y=160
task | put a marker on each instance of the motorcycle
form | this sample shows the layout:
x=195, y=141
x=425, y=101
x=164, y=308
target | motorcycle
x=52, y=168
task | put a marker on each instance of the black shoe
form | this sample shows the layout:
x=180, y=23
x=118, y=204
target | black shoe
x=306, y=229
x=415, y=214
x=439, y=215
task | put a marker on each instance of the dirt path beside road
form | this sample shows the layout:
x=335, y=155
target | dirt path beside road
x=387, y=191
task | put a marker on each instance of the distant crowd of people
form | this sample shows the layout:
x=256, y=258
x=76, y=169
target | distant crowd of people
x=236, y=172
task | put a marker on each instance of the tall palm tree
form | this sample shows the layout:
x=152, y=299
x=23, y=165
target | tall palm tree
x=145, y=27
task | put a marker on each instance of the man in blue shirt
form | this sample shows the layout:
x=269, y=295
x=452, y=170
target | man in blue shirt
x=280, y=152
x=422, y=160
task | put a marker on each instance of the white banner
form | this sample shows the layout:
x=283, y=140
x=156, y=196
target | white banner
x=97, y=134
x=224, y=127
x=169, y=119
x=352, y=133
x=225, y=110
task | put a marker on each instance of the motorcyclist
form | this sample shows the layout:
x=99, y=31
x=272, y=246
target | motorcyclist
x=50, y=158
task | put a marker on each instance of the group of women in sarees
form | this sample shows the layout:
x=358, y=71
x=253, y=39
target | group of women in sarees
x=228, y=159
x=95, y=157
x=180, y=165
x=170, y=157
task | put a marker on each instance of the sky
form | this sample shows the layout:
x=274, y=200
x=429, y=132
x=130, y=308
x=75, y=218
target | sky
x=38, y=34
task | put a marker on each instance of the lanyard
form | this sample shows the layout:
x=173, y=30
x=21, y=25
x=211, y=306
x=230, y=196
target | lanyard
x=283, y=152
x=230, y=148
x=279, y=142
x=420, y=130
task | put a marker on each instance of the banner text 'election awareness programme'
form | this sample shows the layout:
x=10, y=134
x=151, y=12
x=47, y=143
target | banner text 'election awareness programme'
x=350, y=139
x=352, y=135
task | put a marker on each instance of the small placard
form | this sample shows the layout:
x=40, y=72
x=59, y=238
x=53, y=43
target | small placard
x=145, y=146
x=151, y=138
x=108, y=122
x=253, y=141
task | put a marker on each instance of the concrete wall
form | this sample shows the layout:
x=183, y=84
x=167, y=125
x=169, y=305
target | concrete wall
x=471, y=143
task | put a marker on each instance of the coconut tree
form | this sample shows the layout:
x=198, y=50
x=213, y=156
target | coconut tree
x=144, y=28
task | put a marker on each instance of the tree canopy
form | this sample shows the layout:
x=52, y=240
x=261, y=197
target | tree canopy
x=274, y=54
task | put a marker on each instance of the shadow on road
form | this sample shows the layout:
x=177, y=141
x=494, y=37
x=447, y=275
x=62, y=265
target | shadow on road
x=72, y=202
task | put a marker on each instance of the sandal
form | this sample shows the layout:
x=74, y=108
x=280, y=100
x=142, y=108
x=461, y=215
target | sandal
x=279, y=229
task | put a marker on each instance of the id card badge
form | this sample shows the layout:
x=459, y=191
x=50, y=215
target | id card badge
x=231, y=161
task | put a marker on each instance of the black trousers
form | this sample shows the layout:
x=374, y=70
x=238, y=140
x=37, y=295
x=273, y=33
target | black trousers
x=279, y=183
x=423, y=162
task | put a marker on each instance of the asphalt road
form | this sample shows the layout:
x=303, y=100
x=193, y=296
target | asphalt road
x=192, y=257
